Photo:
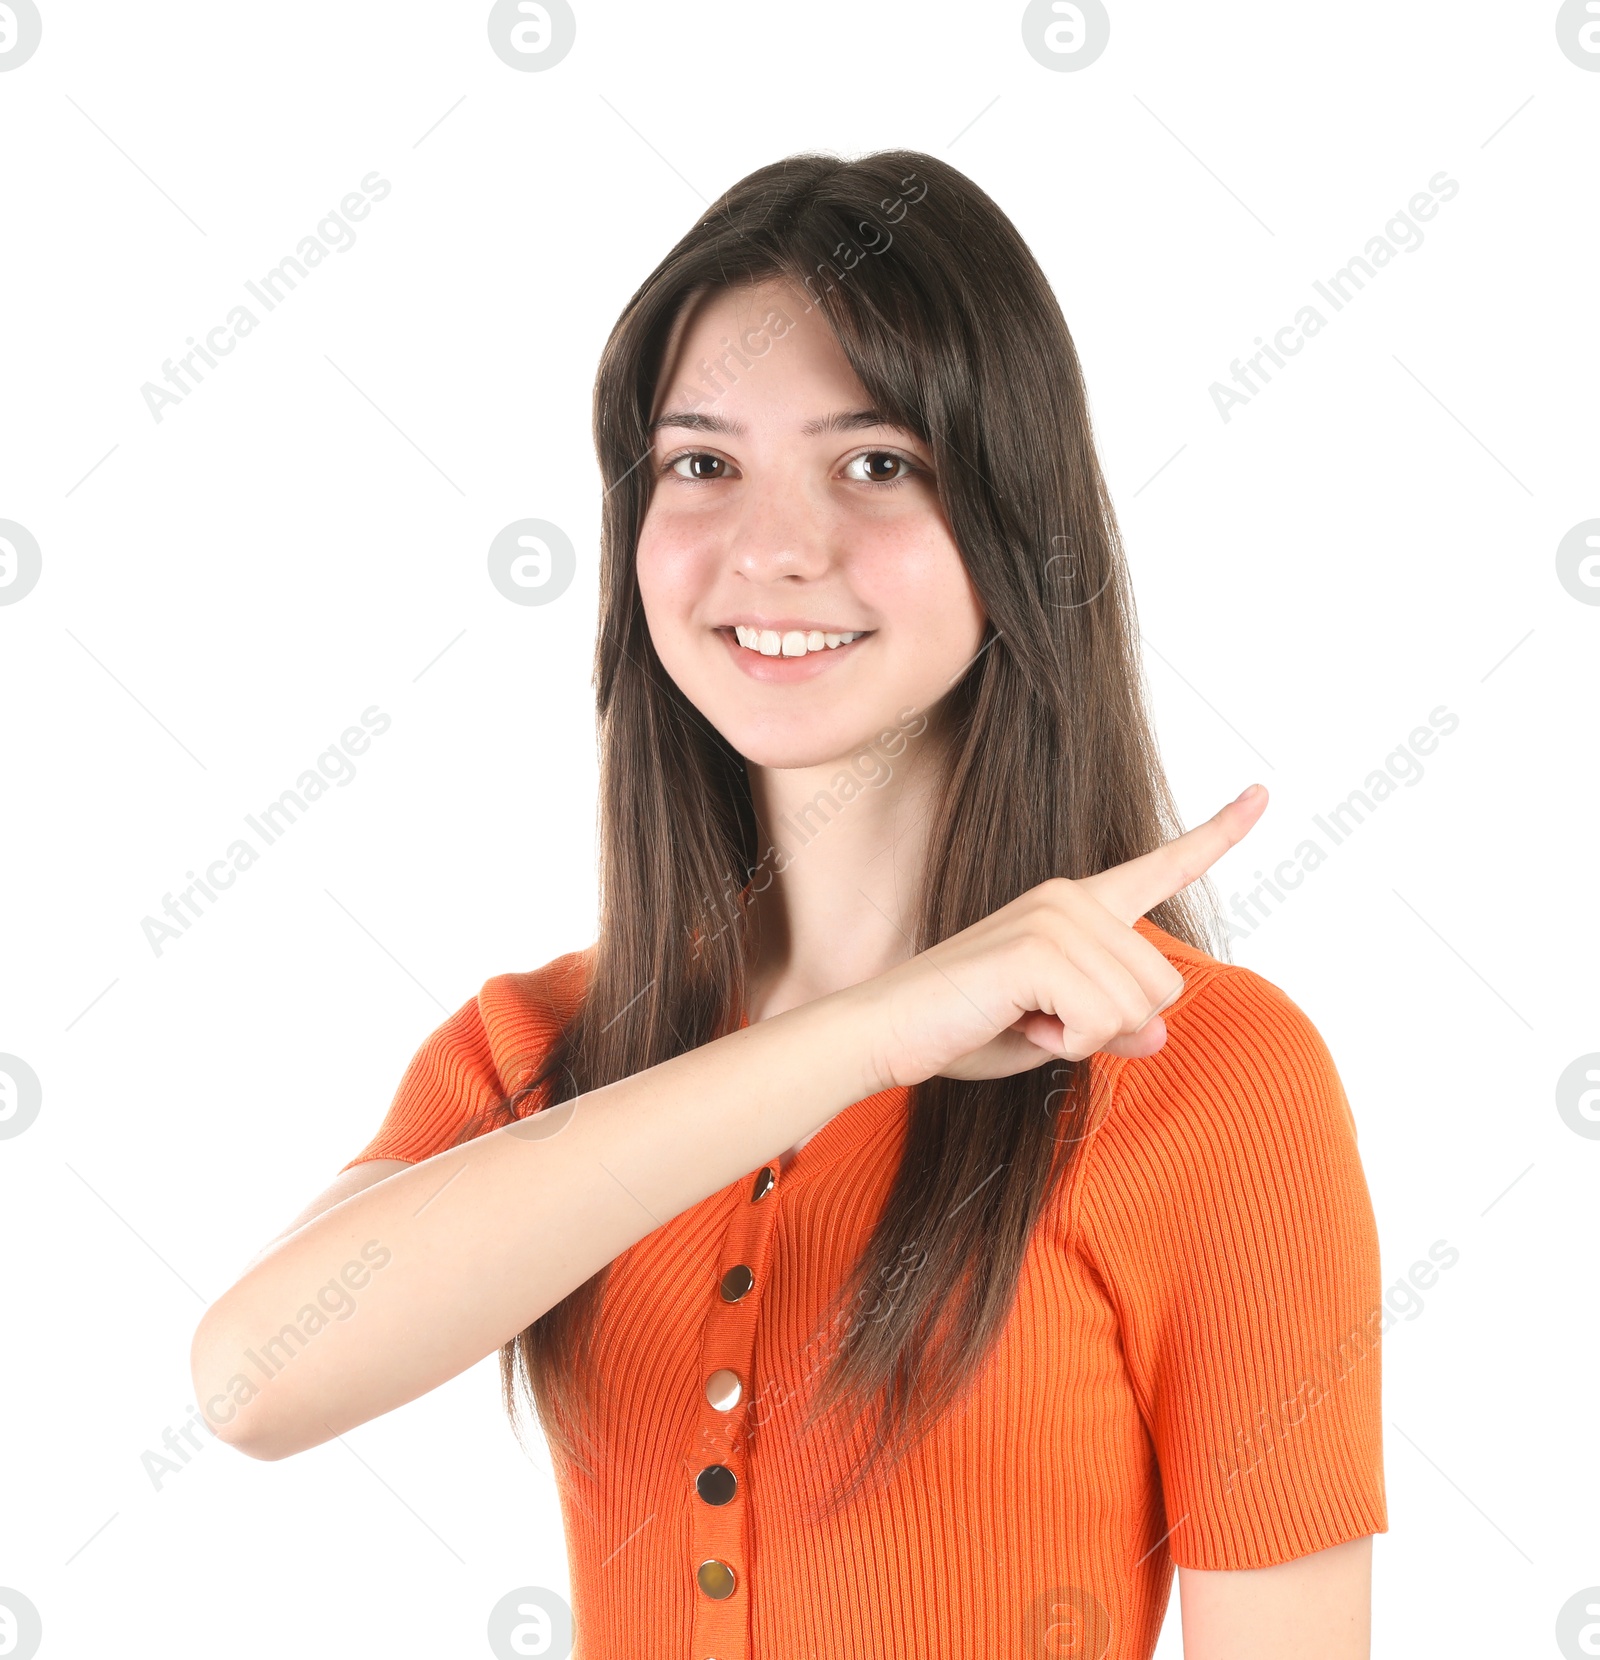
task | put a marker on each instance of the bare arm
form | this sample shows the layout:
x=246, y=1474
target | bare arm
x=340, y=1188
x=1317, y=1607
x=420, y=1270
x=417, y=1275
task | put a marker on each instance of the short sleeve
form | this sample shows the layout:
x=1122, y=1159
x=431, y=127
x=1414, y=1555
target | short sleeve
x=461, y=1081
x=450, y=1085
x=1225, y=1210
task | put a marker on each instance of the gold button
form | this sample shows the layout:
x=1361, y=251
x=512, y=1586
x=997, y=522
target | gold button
x=736, y=1282
x=716, y=1484
x=763, y=1184
x=715, y=1579
x=723, y=1389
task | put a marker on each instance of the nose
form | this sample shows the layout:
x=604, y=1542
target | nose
x=779, y=533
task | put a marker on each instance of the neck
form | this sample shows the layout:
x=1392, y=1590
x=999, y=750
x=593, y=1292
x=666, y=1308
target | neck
x=835, y=902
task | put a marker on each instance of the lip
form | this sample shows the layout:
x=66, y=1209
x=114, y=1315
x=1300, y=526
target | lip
x=780, y=669
x=784, y=625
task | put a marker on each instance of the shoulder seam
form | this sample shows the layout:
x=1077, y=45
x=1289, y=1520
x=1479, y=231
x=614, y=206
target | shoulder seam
x=1116, y=1065
x=544, y=998
x=1211, y=971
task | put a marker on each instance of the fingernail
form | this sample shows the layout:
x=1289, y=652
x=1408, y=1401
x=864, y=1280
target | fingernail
x=1246, y=795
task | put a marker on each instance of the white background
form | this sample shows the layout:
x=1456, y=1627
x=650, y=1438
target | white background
x=225, y=590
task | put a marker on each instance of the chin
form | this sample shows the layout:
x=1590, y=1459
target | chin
x=790, y=746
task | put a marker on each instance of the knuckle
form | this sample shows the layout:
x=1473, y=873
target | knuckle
x=1098, y=1019
x=1057, y=891
x=1159, y=972
x=1037, y=902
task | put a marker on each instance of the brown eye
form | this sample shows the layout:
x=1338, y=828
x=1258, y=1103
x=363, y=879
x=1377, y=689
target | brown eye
x=697, y=460
x=885, y=467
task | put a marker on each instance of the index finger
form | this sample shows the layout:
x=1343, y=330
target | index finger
x=1130, y=889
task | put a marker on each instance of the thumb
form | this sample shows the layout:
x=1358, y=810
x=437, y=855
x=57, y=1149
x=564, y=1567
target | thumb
x=1149, y=1039
x=1046, y=1032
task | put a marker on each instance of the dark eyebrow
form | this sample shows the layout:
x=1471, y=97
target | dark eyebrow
x=841, y=421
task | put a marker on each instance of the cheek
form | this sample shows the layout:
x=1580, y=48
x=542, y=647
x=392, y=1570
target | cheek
x=915, y=572
x=668, y=567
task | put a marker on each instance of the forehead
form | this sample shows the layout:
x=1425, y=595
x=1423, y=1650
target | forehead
x=756, y=351
x=721, y=310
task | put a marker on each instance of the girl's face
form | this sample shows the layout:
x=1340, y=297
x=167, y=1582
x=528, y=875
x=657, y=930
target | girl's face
x=782, y=504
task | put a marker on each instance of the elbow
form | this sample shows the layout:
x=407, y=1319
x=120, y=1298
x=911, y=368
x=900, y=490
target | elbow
x=255, y=1449
x=251, y=1442
x=237, y=1410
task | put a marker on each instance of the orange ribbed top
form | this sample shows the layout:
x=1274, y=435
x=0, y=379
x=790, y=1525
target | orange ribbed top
x=1190, y=1374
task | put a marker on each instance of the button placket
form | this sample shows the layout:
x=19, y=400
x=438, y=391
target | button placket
x=719, y=1531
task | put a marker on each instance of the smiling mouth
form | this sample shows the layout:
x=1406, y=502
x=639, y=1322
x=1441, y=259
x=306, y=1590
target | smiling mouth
x=794, y=642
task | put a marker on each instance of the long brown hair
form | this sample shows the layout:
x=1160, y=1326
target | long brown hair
x=954, y=332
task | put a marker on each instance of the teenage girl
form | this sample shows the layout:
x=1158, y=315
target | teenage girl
x=915, y=1239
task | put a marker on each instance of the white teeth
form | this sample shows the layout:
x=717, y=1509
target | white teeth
x=792, y=643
